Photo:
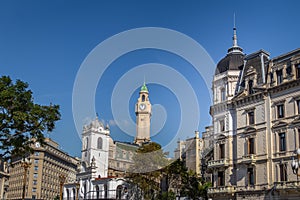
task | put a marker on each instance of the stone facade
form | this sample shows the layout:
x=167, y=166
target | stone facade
x=48, y=162
x=4, y=175
x=190, y=151
x=256, y=122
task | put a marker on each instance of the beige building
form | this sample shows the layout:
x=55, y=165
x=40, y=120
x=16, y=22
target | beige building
x=190, y=151
x=3, y=179
x=48, y=162
x=256, y=124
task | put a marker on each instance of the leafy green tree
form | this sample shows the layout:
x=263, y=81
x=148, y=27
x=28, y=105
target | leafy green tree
x=146, y=170
x=194, y=187
x=22, y=122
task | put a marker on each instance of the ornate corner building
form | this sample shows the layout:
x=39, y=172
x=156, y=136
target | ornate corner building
x=256, y=125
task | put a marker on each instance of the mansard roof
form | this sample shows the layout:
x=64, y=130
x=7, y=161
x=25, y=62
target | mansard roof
x=232, y=61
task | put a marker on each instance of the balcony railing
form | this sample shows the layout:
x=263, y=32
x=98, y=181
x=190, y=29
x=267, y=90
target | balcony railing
x=221, y=189
x=249, y=159
x=218, y=163
x=287, y=185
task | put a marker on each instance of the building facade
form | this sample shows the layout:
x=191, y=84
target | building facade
x=46, y=165
x=255, y=115
x=104, y=162
x=4, y=176
x=190, y=151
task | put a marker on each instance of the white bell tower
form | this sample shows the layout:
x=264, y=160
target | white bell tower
x=95, y=147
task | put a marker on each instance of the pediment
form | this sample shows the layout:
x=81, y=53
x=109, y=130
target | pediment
x=279, y=124
x=296, y=120
x=249, y=129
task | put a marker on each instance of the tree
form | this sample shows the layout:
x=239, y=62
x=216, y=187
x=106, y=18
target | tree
x=22, y=122
x=146, y=170
x=194, y=187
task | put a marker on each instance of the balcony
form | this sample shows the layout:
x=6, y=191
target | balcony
x=249, y=159
x=218, y=163
x=221, y=189
x=287, y=185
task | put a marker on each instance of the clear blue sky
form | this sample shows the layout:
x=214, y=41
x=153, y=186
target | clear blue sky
x=45, y=42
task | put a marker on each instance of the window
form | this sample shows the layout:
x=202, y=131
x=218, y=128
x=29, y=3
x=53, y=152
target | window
x=289, y=70
x=86, y=143
x=251, y=117
x=34, y=182
x=251, y=145
x=33, y=189
x=279, y=76
x=280, y=111
x=282, y=142
x=298, y=70
x=143, y=98
x=222, y=125
x=36, y=153
x=298, y=106
x=271, y=77
x=36, y=168
x=99, y=143
x=221, y=179
x=250, y=172
x=222, y=151
x=250, y=87
x=36, y=161
x=35, y=175
x=283, y=172
x=223, y=94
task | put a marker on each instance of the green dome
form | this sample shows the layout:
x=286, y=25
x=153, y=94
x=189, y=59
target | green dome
x=144, y=88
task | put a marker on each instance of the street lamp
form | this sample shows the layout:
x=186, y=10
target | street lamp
x=77, y=185
x=25, y=163
x=62, y=179
x=296, y=163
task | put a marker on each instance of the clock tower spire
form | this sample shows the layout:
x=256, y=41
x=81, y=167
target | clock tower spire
x=143, y=115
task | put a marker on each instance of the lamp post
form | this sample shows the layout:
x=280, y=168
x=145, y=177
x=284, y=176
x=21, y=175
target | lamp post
x=77, y=185
x=25, y=163
x=62, y=179
x=296, y=163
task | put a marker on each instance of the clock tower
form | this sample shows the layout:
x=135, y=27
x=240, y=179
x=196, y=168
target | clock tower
x=143, y=115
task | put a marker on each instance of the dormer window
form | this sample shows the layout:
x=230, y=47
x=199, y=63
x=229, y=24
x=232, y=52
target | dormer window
x=298, y=70
x=289, y=70
x=250, y=87
x=298, y=106
x=271, y=77
x=279, y=76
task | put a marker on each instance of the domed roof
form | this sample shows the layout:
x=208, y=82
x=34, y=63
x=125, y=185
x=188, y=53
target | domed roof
x=231, y=61
x=144, y=88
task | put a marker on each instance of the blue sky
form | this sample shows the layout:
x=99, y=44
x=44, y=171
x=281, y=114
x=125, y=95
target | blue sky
x=45, y=42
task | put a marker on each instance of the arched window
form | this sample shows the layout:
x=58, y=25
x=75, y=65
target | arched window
x=223, y=94
x=119, y=192
x=97, y=192
x=105, y=191
x=250, y=87
x=68, y=194
x=99, y=143
x=143, y=98
x=86, y=143
x=74, y=194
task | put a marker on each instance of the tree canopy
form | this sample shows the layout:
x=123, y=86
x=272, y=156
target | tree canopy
x=22, y=122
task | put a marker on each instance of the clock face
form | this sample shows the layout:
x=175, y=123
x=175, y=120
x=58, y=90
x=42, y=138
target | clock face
x=142, y=106
x=37, y=144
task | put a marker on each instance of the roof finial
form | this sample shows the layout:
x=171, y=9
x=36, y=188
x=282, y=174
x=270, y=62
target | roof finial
x=234, y=32
x=235, y=48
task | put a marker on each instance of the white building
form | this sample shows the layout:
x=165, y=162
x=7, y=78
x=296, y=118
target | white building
x=104, y=161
